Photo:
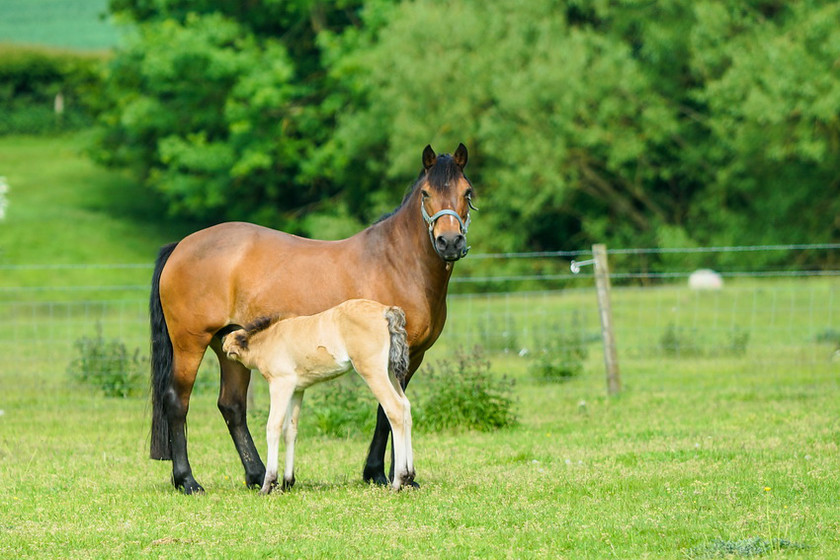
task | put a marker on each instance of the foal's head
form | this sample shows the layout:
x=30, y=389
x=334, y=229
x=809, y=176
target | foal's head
x=236, y=343
x=445, y=201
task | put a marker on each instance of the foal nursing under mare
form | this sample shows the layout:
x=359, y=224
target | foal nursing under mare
x=226, y=276
x=297, y=353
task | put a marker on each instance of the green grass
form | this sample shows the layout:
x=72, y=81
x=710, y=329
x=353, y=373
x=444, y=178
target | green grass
x=698, y=456
x=656, y=473
x=81, y=24
x=63, y=210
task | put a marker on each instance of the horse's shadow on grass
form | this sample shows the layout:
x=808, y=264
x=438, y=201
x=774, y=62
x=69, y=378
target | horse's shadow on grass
x=300, y=487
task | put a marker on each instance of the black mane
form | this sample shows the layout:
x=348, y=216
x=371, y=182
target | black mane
x=259, y=324
x=443, y=172
x=440, y=176
x=252, y=328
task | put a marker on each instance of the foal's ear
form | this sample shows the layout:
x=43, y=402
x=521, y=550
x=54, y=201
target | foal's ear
x=429, y=157
x=460, y=156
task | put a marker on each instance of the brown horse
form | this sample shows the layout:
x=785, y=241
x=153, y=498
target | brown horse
x=225, y=276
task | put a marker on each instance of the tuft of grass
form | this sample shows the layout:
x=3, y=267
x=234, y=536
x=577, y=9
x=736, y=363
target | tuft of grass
x=745, y=548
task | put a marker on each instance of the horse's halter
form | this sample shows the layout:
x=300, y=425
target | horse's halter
x=432, y=220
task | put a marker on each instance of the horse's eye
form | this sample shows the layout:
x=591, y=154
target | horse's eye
x=468, y=193
x=425, y=194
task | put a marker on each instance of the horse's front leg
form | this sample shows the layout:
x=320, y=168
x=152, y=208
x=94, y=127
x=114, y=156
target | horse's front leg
x=233, y=404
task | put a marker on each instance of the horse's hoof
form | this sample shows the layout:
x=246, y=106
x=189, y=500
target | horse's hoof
x=191, y=487
x=254, y=480
x=287, y=484
x=378, y=479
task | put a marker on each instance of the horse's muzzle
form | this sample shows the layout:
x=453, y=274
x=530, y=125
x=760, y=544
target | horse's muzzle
x=451, y=246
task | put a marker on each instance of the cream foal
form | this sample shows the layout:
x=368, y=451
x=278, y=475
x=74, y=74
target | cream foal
x=294, y=354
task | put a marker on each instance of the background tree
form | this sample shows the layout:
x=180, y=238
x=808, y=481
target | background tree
x=218, y=105
x=631, y=123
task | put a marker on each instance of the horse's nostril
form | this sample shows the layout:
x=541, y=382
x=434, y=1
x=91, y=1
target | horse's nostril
x=440, y=243
x=460, y=242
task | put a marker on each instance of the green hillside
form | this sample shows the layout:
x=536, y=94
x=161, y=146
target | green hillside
x=65, y=210
x=80, y=24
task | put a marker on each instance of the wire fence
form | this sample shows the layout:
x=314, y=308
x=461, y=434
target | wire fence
x=762, y=319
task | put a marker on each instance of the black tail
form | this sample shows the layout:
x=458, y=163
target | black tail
x=398, y=354
x=161, y=359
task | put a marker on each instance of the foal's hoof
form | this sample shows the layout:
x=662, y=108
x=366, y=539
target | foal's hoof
x=268, y=486
x=408, y=482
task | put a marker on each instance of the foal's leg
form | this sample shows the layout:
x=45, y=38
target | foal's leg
x=282, y=392
x=398, y=411
x=233, y=404
x=290, y=430
x=375, y=465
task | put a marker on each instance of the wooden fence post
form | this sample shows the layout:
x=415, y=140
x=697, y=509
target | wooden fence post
x=602, y=285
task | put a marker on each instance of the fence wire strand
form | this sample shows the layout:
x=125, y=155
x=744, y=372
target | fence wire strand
x=779, y=317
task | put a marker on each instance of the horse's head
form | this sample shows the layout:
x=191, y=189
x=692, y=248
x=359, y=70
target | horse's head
x=445, y=201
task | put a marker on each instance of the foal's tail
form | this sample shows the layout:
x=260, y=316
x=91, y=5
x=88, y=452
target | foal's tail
x=398, y=354
x=161, y=359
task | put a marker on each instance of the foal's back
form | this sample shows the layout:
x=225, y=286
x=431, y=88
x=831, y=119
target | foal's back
x=319, y=347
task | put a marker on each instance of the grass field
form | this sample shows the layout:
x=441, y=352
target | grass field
x=81, y=24
x=702, y=455
x=655, y=473
x=64, y=210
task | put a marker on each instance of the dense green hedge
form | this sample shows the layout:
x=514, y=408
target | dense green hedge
x=32, y=77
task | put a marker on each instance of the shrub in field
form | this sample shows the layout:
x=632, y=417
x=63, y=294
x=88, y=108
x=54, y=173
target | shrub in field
x=342, y=408
x=829, y=336
x=678, y=341
x=682, y=342
x=494, y=337
x=31, y=79
x=108, y=366
x=561, y=358
x=462, y=393
x=737, y=342
x=560, y=351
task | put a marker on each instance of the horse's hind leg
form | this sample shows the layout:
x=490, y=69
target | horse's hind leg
x=177, y=399
x=233, y=404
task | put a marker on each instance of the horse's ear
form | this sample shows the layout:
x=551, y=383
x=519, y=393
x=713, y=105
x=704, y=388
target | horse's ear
x=460, y=156
x=429, y=157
